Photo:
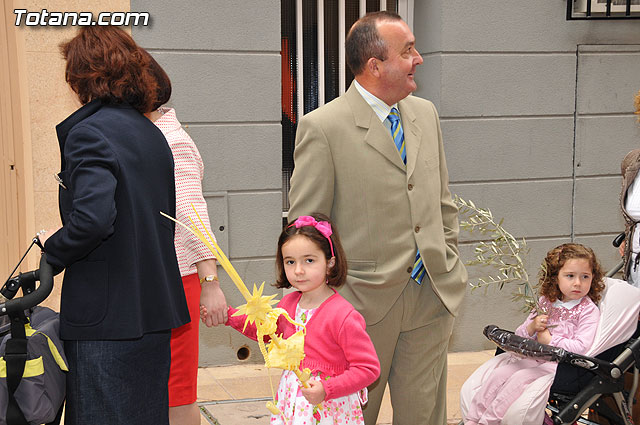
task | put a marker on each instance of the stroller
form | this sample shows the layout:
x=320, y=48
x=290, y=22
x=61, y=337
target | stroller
x=32, y=367
x=619, y=309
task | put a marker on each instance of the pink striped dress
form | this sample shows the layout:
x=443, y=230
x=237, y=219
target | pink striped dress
x=189, y=170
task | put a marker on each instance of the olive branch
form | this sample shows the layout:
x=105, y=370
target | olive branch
x=500, y=250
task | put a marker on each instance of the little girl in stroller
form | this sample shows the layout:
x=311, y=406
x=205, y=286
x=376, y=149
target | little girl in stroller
x=566, y=317
x=619, y=308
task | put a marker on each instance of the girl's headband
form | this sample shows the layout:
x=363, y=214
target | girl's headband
x=324, y=227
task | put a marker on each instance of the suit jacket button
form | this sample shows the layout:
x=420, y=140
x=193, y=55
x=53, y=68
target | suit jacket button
x=410, y=187
x=409, y=269
x=417, y=229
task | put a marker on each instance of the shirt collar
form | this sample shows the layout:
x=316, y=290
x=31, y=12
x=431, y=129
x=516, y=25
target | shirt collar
x=568, y=304
x=168, y=119
x=379, y=106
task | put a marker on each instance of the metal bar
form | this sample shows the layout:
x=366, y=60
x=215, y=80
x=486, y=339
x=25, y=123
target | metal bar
x=320, y=53
x=405, y=10
x=342, y=68
x=362, y=9
x=602, y=18
x=300, y=59
x=588, y=15
x=383, y=4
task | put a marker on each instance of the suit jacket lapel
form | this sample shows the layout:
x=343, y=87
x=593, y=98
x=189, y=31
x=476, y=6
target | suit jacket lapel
x=412, y=136
x=378, y=137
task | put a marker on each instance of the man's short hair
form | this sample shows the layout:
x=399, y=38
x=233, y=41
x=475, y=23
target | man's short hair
x=364, y=41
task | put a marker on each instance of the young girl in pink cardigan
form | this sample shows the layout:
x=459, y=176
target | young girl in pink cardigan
x=338, y=350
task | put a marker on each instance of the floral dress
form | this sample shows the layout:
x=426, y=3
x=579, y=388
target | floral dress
x=296, y=410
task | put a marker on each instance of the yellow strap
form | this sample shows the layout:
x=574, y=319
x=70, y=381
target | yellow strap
x=29, y=331
x=56, y=354
x=33, y=367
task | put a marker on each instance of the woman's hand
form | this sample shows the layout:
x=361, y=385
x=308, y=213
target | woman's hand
x=315, y=393
x=213, y=304
x=43, y=234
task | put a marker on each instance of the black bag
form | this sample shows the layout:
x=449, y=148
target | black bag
x=41, y=387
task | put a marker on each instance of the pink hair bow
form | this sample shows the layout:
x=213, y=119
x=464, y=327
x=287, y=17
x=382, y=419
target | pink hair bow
x=324, y=227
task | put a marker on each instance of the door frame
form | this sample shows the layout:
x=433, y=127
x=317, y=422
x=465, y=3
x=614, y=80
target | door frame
x=16, y=173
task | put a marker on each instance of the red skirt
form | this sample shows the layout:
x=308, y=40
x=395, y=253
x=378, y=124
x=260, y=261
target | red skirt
x=183, y=376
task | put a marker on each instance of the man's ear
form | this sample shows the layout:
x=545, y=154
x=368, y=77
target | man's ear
x=372, y=67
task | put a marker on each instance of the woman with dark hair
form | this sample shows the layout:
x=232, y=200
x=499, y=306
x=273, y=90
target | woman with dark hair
x=121, y=293
x=197, y=264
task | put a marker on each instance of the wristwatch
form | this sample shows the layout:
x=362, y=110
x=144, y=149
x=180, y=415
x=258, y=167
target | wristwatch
x=209, y=278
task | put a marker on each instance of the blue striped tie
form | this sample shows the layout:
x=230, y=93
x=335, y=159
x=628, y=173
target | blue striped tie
x=419, y=271
x=397, y=133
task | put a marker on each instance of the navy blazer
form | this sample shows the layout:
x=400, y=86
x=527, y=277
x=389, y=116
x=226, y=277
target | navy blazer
x=122, y=278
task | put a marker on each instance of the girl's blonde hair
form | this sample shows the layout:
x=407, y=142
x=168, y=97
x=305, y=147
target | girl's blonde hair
x=556, y=259
x=636, y=103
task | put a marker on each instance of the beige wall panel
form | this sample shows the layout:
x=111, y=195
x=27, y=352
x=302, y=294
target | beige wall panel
x=16, y=194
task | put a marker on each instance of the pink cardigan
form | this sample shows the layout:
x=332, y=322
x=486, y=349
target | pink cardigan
x=574, y=328
x=336, y=343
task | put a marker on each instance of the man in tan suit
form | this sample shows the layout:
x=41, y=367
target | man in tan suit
x=388, y=195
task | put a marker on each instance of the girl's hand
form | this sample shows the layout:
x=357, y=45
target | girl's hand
x=538, y=324
x=203, y=313
x=544, y=337
x=315, y=393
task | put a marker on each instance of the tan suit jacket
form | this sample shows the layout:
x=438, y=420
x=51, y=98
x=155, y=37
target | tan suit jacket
x=347, y=167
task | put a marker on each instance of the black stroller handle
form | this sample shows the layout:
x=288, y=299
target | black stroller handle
x=33, y=296
x=509, y=341
x=617, y=241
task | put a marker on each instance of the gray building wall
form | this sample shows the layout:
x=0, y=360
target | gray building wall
x=536, y=115
x=223, y=58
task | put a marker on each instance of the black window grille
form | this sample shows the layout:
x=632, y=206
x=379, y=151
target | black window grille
x=310, y=63
x=603, y=9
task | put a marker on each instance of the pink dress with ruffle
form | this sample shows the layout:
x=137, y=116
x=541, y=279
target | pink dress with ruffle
x=573, y=327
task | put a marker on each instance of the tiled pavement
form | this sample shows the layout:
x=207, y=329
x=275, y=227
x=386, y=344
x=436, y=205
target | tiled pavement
x=236, y=395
